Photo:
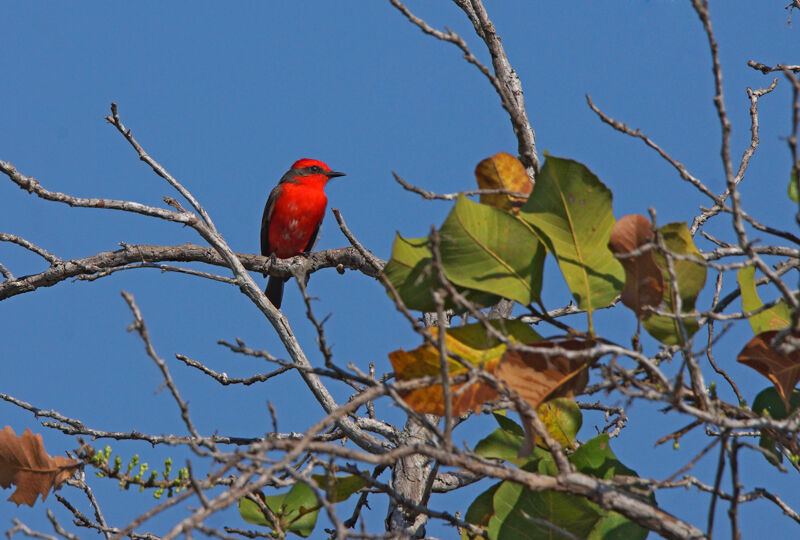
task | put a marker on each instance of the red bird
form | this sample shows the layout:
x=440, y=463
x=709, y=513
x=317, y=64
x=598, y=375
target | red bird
x=292, y=216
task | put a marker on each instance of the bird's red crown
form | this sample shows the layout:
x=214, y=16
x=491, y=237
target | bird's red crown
x=308, y=163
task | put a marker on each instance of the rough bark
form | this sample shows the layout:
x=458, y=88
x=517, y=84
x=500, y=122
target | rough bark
x=411, y=479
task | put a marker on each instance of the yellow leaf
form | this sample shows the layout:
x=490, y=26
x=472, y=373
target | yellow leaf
x=503, y=171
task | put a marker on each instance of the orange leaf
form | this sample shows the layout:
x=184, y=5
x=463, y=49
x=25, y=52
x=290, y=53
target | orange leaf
x=424, y=361
x=472, y=344
x=644, y=284
x=430, y=400
x=503, y=171
x=783, y=371
x=24, y=463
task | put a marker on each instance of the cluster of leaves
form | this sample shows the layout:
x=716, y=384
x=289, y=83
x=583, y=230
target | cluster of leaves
x=648, y=285
x=136, y=473
x=296, y=510
x=509, y=510
x=761, y=354
x=491, y=252
x=497, y=249
x=534, y=376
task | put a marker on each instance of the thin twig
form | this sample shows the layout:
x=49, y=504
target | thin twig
x=141, y=329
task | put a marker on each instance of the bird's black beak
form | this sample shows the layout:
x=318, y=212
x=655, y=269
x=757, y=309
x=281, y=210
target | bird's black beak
x=334, y=174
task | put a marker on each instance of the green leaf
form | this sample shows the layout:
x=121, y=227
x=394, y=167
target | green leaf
x=499, y=444
x=513, y=505
x=792, y=189
x=691, y=278
x=505, y=443
x=410, y=272
x=339, y=488
x=563, y=419
x=691, y=275
x=508, y=424
x=487, y=249
x=296, y=510
x=507, y=517
x=768, y=402
x=480, y=511
x=571, y=209
x=614, y=526
x=777, y=317
x=595, y=458
x=665, y=329
x=251, y=513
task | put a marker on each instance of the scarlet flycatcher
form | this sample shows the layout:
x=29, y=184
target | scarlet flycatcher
x=292, y=216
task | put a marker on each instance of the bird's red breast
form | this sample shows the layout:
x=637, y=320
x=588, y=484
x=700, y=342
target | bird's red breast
x=299, y=209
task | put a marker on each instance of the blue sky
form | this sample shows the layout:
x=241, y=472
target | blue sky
x=227, y=96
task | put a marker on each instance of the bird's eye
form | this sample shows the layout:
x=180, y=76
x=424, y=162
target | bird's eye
x=316, y=168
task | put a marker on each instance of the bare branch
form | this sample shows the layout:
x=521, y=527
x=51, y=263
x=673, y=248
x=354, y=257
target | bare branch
x=30, y=246
x=504, y=79
x=763, y=68
x=31, y=185
x=430, y=195
x=115, y=121
x=142, y=256
x=682, y=171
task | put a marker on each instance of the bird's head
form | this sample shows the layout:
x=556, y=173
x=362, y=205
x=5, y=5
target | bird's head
x=312, y=169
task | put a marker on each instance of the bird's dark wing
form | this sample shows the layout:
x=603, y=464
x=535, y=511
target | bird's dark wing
x=312, y=239
x=265, y=219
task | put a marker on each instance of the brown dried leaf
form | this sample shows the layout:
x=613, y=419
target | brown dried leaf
x=24, y=463
x=503, y=171
x=644, y=284
x=783, y=371
x=538, y=377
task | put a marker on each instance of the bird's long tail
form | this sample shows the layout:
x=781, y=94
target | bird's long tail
x=275, y=290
